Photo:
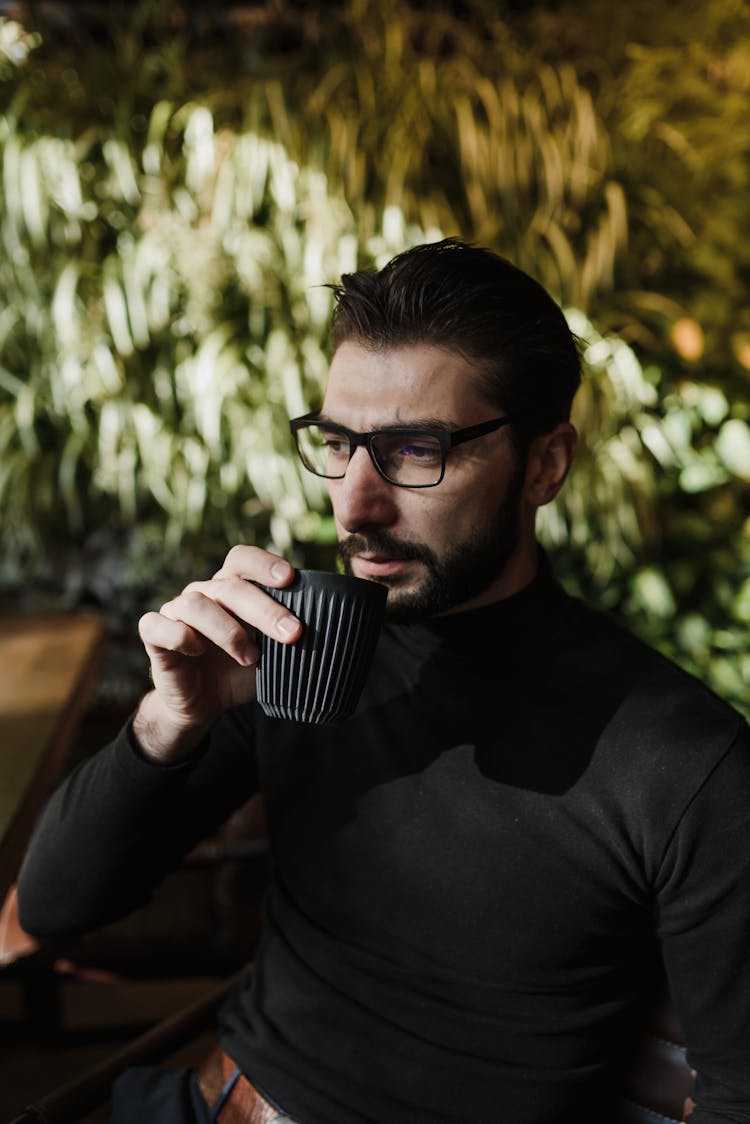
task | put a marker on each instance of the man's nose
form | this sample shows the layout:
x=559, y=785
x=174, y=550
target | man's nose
x=363, y=498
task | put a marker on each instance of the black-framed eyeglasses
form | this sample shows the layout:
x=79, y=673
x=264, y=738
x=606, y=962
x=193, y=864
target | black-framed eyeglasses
x=408, y=457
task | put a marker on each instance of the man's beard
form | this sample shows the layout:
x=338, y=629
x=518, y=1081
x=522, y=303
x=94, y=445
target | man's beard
x=464, y=571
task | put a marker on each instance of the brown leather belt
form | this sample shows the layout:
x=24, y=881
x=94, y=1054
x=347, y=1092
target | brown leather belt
x=243, y=1103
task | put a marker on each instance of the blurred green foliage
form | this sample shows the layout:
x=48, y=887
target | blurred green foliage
x=175, y=195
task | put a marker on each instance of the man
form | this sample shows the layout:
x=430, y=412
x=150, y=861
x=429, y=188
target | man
x=476, y=873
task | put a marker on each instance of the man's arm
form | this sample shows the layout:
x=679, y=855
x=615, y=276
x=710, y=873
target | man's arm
x=109, y=835
x=119, y=823
x=704, y=923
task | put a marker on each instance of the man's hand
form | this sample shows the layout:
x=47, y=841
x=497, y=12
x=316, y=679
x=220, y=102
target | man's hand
x=203, y=650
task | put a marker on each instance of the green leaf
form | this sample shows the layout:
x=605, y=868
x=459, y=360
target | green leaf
x=653, y=593
x=733, y=447
x=741, y=606
x=701, y=476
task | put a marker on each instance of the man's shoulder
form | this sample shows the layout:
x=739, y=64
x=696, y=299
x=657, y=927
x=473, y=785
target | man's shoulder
x=658, y=701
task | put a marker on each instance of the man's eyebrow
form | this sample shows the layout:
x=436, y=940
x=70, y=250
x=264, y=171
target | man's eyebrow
x=412, y=423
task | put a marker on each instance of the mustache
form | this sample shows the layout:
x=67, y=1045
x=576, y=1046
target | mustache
x=384, y=545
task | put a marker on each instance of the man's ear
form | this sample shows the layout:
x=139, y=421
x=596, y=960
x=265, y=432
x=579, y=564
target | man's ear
x=548, y=463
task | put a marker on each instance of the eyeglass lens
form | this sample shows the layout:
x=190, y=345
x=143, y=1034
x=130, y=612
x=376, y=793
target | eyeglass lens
x=413, y=459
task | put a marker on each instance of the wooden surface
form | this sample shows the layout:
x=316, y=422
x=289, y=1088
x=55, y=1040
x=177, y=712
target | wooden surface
x=48, y=667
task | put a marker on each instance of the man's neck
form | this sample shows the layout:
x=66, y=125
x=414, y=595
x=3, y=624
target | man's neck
x=519, y=571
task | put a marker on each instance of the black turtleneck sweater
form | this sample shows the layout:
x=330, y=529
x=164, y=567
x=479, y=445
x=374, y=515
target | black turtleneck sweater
x=474, y=875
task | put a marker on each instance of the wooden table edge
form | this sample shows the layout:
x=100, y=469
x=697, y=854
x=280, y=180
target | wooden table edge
x=51, y=767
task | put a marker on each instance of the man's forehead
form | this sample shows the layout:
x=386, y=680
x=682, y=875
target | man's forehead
x=418, y=383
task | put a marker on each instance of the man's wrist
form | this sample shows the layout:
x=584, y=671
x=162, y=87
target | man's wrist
x=159, y=738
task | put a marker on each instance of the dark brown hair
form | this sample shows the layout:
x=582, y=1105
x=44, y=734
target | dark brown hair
x=470, y=301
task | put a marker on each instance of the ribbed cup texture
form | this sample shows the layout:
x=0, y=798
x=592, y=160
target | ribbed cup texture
x=320, y=678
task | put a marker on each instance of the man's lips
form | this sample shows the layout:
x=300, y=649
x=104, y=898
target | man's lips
x=377, y=565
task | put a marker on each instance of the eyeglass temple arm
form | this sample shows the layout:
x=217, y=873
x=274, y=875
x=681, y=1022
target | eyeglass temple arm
x=473, y=431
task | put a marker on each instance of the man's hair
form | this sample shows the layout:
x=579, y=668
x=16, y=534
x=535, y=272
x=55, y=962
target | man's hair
x=472, y=302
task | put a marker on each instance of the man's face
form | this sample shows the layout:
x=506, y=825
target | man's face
x=441, y=548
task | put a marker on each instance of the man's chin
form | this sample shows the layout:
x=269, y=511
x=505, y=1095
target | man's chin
x=406, y=601
x=415, y=600
x=408, y=606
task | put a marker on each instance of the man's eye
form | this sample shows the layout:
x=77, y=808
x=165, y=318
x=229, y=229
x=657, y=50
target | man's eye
x=337, y=446
x=414, y=451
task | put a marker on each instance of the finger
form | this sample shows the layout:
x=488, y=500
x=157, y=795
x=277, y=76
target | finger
x=206, y=616
x=256, y=565
x=160, y=634
x=243, y=600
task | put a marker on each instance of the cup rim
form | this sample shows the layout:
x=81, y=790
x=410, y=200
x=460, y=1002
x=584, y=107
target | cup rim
x=322, y=579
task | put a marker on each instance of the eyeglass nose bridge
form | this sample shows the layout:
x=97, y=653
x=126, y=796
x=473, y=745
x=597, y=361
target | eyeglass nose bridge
x=366, y=441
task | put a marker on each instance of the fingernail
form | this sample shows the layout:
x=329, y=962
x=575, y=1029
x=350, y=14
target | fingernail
x=280, y=570
x=286, y=626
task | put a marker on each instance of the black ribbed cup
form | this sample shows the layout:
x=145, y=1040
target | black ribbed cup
x=320, y=677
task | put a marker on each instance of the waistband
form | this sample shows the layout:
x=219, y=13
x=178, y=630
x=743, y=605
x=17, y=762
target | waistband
x=230, y=1097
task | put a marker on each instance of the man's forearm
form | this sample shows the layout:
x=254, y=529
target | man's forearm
x=118, y=823
x=94, y=852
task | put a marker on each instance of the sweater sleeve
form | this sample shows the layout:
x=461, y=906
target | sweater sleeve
x=703, y=915
x=116, y=826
